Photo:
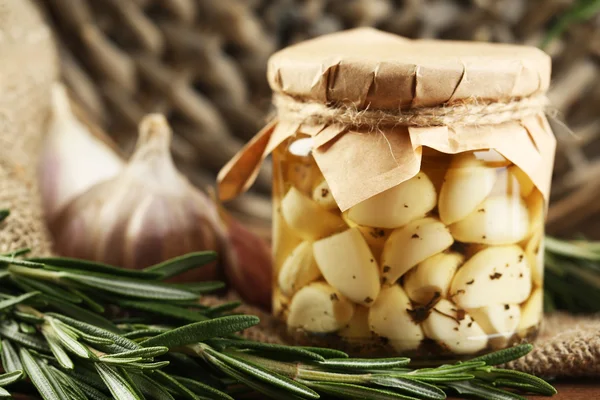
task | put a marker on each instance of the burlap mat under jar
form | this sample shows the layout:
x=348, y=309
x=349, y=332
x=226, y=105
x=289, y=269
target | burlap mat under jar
x=568, y=347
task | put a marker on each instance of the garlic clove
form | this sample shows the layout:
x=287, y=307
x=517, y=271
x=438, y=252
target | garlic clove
x=496, y=221
x=73, y=159
x=307, y=218
x=375, y=237
x=467, y=183
x=397, y=206
x=389, y=318
x=534, y=251
x=432, y=277
x=412, y=244
x=323, y=197
x=348, y=265
x=284, y=238
x=496, y=275
x=537, y=213
x=524, y=182
x=319, y=308
x=498, y=321
x=247, y=263
x=531, y=311
x=299, y=269
x=357, y=328
x=454, y=329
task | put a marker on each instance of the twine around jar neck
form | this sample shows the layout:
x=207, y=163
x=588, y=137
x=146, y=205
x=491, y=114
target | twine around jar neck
x=463, y=113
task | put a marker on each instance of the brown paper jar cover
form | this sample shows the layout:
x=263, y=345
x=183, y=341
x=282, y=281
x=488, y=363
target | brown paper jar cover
x=370, y=70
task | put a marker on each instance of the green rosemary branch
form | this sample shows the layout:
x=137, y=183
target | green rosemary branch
x=77, y=330
x=572, y=275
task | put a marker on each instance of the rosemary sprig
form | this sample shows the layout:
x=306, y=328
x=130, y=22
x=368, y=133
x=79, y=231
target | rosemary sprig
x=76, y=330
x=572, y=275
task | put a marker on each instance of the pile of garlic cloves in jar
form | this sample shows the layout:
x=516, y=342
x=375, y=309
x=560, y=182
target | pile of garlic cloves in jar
x=449, y=260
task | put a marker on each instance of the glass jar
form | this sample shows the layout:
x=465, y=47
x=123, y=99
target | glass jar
x=449, y=262
x=410, y=186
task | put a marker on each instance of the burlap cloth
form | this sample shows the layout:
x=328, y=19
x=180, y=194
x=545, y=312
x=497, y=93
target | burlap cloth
x=569, y=346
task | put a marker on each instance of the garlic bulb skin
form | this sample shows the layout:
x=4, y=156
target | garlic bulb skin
x=72, y=159
x=146, y=214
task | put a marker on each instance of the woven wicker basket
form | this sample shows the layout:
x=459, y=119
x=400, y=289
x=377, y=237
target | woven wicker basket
x=202, y=62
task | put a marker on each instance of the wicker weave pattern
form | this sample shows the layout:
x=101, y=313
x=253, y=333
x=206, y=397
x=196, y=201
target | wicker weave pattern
x=202, y=62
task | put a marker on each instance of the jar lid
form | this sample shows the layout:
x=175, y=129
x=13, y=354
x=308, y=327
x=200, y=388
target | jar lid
x=368, y=68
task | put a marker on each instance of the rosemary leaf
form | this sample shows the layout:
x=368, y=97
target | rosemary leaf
x=179, y=265
x=202, y=389
x=49, y=289
x=10, y=377
x=5, y=304
x=483, y=391
x=174, y=385
x=505, y=355
x=259, y=386
x=39, y=378
x=57, y=350
x=10, y=360
x=85, y=266
x=325, y=352
x=73, y=387
x=118, y=382
x=10, y=330
x=298, y=352
x=146, y=352
x=349, y=391
x=200, y=331
x=132, y=288
x=119, y=342
x=518, y=376
x=411, y=387
x=167, y=310
x=263, y=374
x=150, y=388
x=67, y=341
x=365, y=363
x=81, y=314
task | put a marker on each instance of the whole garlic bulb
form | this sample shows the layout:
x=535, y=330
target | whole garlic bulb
x=72, y=159
x=146, y=214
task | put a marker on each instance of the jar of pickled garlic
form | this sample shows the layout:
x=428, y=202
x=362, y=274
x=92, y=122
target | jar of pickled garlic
x=410, y=183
